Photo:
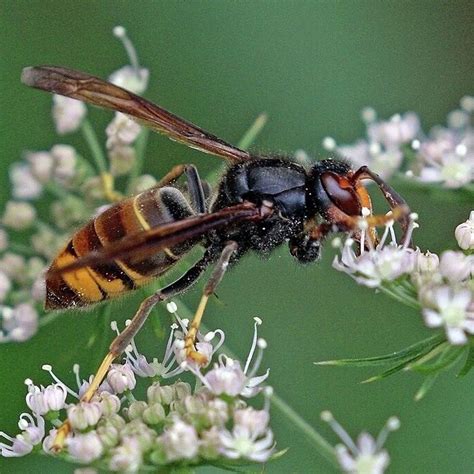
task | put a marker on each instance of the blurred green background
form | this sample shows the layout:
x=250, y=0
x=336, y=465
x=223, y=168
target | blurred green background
x=311, y=66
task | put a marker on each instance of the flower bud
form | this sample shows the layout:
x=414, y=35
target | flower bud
x=84, y=414
x=121, y=378
x=136, y=409
x=24, y=184
x=154, y=414
x=464, y=233
x=180, y=441
x=85, y=448
x=181, y=390
x=18, y=215
x=455, y=266
x=55, y=396
x=158, y=394
x=109, y=434
x=109, y=403
x=127, y=457
x=67, y=114
x=426, y=262
x=41, y=165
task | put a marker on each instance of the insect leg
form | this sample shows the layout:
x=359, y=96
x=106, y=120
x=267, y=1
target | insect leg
x=195, y=188
x=392, y=197
x=120, y=343
x=209, y=289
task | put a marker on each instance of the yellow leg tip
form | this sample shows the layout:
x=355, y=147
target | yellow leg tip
x=197, y=357
x=61, y=435
x=108, y=187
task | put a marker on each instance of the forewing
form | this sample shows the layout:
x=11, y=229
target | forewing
x=87, y=88
x=149, y=242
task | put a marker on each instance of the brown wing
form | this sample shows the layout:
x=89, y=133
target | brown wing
x=146, y=243
x=82, y=86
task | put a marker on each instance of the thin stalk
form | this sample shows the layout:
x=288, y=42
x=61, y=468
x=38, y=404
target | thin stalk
x=94, y=146
x=140, y=148
x=399, y=298
x=317, y=441
x=252, y=133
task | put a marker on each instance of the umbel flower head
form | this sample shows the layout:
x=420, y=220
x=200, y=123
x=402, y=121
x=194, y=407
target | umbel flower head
x=173, y=425
x=444, y=156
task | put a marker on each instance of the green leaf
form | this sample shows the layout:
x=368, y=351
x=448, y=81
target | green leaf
x=392, y=370
x=469, y=362
x=408, y=354
x=447, y=358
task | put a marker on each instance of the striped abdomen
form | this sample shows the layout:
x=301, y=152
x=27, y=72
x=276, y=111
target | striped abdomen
x=90, y=285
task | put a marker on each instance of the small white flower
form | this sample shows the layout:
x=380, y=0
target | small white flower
x=467, y=103
x=130, y=79
x=32, y=434
x=464, y=233
x=122, y=160
x=65, y=161
x=243, y=443
x=396, y=131
x=41, y=165
x=255, y=421
x=121, y=378
x=367, y=456
x=18, y=215
x=121, y=131
x=67, y=114
x=227, y=376
x=180, y=441
x=133, y=78
x=451, y=169
x=85, y=448
x=24, y=184
x=450, y=309
x=382, y=263
x=13, y=265
x=426, y=262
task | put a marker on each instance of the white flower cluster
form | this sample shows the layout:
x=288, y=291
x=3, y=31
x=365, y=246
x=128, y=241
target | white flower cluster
x=445, y=155
x=53, y=192
x=442, y=286
x=173, y=425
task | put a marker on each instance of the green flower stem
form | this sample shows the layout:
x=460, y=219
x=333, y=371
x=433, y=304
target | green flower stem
x=49, y=318
x=252, y=133
x=319, y=443
x=245, y=142
x=401, y=298
x=95, y=148
x=140, y=148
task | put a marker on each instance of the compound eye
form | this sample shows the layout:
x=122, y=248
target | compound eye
x=342, y=193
